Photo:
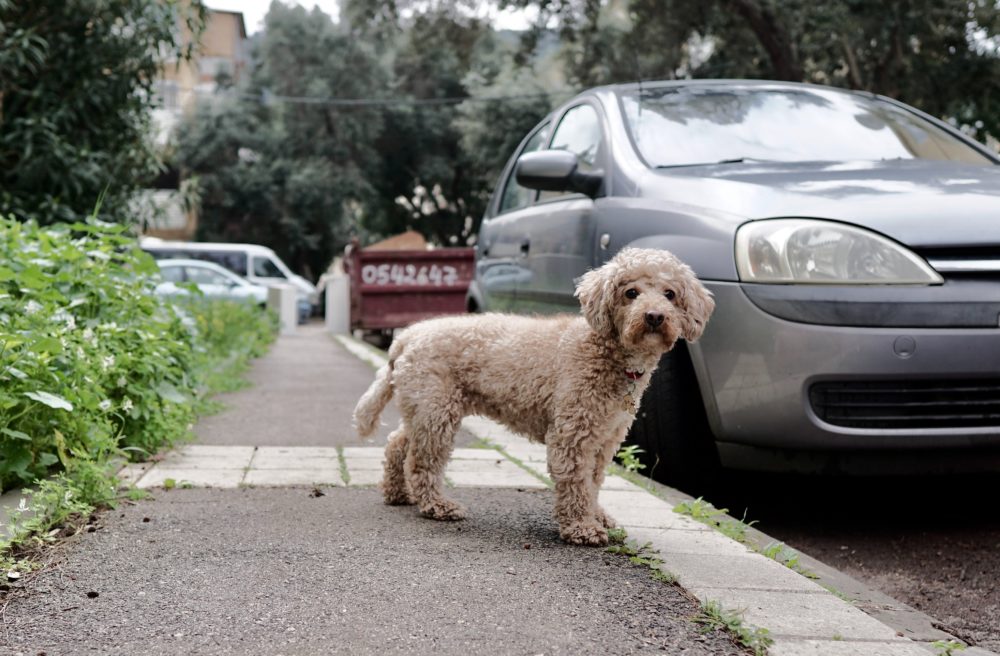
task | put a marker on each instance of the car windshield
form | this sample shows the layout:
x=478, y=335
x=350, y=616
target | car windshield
x=691, y=126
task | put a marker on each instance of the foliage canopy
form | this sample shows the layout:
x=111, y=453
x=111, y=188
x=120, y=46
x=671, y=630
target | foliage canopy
x=76, y=89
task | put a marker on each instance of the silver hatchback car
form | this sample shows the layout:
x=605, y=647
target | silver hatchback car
x=852, y=244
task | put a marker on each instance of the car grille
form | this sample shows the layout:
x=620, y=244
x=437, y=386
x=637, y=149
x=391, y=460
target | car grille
x=908, y=404
x=974, y=262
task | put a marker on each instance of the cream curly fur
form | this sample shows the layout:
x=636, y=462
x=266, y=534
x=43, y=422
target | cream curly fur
x=560, y=381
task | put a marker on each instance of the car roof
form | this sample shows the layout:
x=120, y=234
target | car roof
x=184, y=261
x=155, y=244
x=710, y=83
x=204, y=264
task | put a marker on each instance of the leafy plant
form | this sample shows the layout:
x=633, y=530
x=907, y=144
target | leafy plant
x=94, y=368
x=628, y=456
x=947, y=647
x=782, y=553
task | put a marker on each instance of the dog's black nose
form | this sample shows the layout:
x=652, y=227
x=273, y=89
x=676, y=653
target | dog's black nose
x=654, y=319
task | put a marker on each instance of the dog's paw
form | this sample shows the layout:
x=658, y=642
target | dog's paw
x=606, y=520
x=396, y=496
x=397, y=499
x=585, y=533
x=444, y=510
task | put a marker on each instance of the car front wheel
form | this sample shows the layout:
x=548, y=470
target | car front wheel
x=672, y=429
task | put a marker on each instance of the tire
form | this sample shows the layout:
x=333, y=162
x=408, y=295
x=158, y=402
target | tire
x=672, y=429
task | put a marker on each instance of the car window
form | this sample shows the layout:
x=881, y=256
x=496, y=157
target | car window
x=201, y=276
x=232, y=260
x=264, y=267
x=514, y=195
x=717, y=125
x=579, y=132
x=172, y=274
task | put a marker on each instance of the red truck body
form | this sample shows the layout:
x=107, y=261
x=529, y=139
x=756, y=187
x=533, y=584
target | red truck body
x=394, y=288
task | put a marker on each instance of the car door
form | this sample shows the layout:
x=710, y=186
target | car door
x=211, y=283
x=501, y=256
x=558, y=241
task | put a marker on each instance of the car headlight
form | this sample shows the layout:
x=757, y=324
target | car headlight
x=808, y=251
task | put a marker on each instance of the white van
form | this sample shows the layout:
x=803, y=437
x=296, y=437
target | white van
x=258, y=264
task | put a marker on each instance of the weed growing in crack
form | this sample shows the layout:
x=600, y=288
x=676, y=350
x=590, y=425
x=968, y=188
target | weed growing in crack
x=344, y=474
x=947, y=647
x=704, y=512
x=641, y=555
x=782, y=553
x=628, y=456
x=714, y=618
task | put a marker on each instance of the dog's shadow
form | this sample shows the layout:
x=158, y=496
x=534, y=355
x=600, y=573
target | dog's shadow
x=498, y=517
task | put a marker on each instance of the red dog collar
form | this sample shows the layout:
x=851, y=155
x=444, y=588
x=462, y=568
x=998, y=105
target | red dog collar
x=634, y=375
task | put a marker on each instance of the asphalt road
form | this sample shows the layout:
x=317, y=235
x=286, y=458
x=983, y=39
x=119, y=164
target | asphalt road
x=931, y=542
x=279, y=571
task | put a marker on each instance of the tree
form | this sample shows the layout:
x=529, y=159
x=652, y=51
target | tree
x=939, y=55
x=284, y=162
x=76, y=90
x=423, y=182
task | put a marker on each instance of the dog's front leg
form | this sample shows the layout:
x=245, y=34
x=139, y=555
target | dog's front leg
x=572, y=469
x=605, y=455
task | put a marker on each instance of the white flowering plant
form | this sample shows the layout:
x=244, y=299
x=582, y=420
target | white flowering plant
x=93, y=365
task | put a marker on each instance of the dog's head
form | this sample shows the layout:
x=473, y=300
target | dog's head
x=646, y=299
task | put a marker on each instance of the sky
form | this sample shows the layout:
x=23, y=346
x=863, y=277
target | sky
x=254, y=11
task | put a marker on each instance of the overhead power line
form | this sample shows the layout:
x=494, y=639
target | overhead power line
x=269, y=98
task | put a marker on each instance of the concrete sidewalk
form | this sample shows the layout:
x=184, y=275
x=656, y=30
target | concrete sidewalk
x=273, y=540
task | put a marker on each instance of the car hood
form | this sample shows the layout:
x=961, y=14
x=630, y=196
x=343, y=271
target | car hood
x=917, y=202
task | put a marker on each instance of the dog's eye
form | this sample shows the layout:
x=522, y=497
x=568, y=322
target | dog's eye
x=631, y=293
x=670, y=294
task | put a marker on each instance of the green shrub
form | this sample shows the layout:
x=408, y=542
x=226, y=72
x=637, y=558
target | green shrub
x=92, y=364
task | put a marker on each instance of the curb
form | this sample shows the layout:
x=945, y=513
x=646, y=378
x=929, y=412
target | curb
x=827, y=613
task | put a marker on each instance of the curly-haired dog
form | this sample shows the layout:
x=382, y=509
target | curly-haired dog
x=570, y=382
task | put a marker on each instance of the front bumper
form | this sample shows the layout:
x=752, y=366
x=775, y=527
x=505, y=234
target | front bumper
x=755, y=371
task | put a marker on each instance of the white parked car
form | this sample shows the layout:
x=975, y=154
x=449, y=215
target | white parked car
x=213, y=280
x=258, y=264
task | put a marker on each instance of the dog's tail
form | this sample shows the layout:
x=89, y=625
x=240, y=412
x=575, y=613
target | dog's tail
x=374, y=400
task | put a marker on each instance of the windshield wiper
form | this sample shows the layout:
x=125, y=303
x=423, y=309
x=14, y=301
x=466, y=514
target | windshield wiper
x=735, y=160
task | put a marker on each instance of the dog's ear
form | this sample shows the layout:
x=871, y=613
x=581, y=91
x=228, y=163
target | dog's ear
x=595, y=291
x=697, y=305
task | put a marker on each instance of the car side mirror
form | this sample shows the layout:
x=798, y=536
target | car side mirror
x=556, y=170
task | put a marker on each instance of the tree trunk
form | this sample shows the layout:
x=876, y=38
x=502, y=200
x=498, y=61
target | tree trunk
x=773, y=37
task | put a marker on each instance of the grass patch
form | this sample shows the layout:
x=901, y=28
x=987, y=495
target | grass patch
x=342, y=461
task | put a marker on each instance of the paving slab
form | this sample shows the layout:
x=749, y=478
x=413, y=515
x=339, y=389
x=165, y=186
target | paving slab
x=515, y=478
x=734, y=572
x=303, y=457
x=294, y=477
x=846, y=648
x=672, y=541
x=364, y=477
x=800, y=614
x=203, y=477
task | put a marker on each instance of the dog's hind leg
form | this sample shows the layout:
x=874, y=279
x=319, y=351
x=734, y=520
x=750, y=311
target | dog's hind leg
x=431, y=434
x=393, y=485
